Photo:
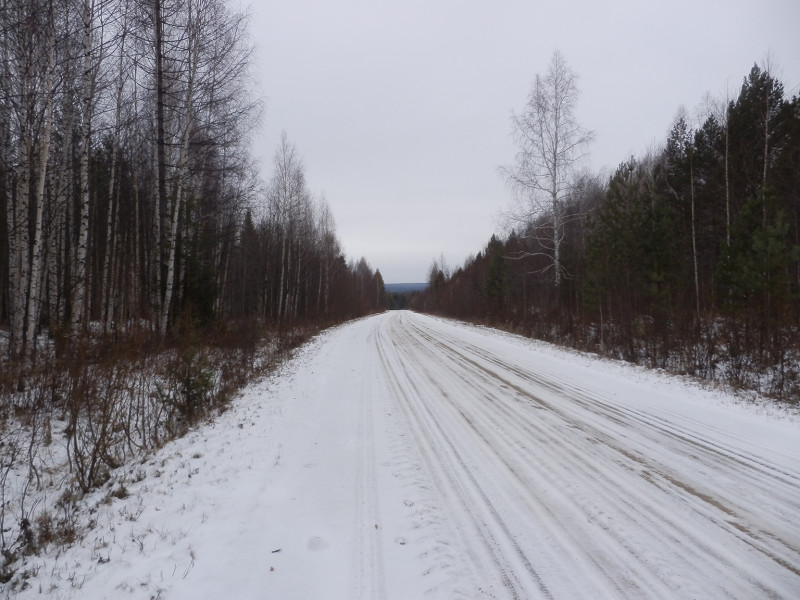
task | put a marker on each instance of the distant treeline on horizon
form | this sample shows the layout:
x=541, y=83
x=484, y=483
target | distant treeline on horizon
x=404, y=288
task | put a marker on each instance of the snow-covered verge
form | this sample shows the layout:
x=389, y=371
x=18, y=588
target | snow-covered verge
x=403, y=456
x=69, y=423
x=719, y=356
x=715, y=392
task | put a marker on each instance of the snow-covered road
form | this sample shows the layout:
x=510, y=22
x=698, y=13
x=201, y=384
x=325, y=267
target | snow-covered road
x=404, y=457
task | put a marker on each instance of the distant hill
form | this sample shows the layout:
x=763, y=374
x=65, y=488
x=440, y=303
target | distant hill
x=405, y=288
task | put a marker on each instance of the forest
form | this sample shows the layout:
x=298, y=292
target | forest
x=686, y=258
x=131, y=198
x=147, y=269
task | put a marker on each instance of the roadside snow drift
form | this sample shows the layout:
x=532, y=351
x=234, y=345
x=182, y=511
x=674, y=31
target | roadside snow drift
x=408, y=457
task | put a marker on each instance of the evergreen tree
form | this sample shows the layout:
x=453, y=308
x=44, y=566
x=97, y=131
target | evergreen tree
x=496, y=284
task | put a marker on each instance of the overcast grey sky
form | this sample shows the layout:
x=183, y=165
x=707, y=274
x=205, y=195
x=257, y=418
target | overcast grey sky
x=401, y=110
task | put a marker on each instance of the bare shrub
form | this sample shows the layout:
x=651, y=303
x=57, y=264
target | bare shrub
x=188, y=389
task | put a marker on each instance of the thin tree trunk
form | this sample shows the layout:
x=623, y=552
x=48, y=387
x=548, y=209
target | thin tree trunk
x=135, y=298
x=160, y=183
x=222, y=279
x=556, y=209
x=556, y=247
x=58, y=259
x=296, y=301
x=172, y=241
x=766, y=158
x=36, y=250
x=327, y=285
x=81, y=278
x=13, y=272
x=319, y=285
x=107, y=293
x=766, y=297
x=283, y=276
x=154, y=252
x=172, y=238
x=17, y=214
x=20, y=249
x=183, y=160
x=694, y=238
x=727, y=179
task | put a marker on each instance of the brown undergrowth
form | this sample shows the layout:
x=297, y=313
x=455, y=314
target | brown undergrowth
x=72, y=417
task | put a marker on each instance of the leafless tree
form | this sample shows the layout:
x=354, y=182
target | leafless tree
x=29, y=77
x=550, y=144
x=287, y=197
x=329, y=251
x=91, y=57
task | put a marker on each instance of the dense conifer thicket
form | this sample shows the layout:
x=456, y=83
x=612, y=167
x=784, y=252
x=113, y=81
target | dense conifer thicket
x=687, y=258
x=129, y=197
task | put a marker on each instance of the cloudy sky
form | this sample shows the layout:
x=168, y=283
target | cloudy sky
x=401, y=109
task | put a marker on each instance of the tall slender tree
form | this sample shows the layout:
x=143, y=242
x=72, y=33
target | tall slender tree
x=550, y=144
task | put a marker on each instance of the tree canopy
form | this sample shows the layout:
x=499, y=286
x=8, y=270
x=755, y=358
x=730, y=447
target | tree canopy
x=686, y=258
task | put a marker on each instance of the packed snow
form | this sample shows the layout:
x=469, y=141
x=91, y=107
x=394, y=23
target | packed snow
x=404, y=456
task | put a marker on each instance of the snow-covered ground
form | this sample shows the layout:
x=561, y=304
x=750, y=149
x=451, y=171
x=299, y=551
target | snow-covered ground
x=405, y=457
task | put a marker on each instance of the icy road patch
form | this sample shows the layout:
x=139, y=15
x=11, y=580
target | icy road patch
x=403, y=457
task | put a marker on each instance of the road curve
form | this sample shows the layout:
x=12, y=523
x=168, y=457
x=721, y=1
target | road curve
x=561, y=481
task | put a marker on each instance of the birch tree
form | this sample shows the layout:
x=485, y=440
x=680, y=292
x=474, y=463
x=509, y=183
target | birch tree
x=29, y=81
x=89, y=65
x=286, y=196
x=550, y=143
x=38, y=198
x=186, y=120
x=329, y=251
x=203, y=110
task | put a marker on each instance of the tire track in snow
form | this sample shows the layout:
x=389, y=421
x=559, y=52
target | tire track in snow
x=710, y=507
x=518, y=492
x=774, y=478
x=572, y=430
x=369, y=579
x=450, y=472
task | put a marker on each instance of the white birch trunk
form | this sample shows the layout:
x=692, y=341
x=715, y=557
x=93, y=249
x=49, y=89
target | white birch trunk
x=81, y=251
x=159, y=164
x=556, y=216
x=106, y=291
x=12, y=246
x=173, y=234
x=20, y=248
x=283, y=276
x=183, y=160
x=36, y=250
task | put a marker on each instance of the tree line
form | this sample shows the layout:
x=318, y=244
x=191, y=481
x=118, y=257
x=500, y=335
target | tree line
x=686, y=258
x=130, y=197
x=147, y=270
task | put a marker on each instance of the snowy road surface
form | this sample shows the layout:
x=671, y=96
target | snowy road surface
x=408, y=457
